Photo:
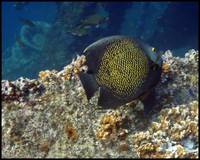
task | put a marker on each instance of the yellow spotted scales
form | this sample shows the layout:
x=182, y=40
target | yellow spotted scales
x=123, y=67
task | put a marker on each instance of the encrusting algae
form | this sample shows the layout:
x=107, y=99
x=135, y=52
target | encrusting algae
x=51, y=117
x=171, y=128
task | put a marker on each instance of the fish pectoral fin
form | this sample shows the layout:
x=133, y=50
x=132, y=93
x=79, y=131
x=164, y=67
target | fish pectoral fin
x=89, y=84
x=108, y=100
x=148, y=100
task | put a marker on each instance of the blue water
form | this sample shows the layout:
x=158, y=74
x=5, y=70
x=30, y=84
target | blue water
x=165, y=25
x=40, y=11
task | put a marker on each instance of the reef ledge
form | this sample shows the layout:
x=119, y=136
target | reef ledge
x=50, y=117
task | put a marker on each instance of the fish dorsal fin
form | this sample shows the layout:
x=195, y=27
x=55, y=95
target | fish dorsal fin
x=89, y=84
x=108, y=100
x=103, y=42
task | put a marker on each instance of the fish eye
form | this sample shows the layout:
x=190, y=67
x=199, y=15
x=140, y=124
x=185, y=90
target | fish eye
x=153, y=49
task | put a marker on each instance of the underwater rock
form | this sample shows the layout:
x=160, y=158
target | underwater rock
x=34, y=36
x=21, y=89
x=173, y=126
x=180, y=70
x=62, y=123
x=27, y=51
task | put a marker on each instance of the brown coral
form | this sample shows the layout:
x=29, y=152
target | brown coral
x=147, y=150
x=44, y=146
x=123, y=147
x=110, y=126
x=71, y=132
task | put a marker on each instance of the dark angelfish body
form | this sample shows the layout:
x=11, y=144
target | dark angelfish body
x=125, y=69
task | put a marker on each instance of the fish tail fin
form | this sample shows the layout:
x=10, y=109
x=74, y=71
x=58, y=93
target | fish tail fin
x=149, y=101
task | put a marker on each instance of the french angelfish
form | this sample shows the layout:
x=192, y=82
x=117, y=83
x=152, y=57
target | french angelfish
x=124, y=68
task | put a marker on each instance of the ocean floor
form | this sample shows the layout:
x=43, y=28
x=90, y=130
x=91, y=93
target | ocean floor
x=50, y=117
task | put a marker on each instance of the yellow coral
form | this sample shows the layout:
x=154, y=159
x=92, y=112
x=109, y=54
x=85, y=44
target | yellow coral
x=43, y=74
x=155, y=126
x=73, y=69
x=140, y=136
x=78, y=64
x=164, y=123
x=110, y=126
x=76, y=70
x=147, y=150
x=194, y=79
x=194, y=109
x=165, y=67
x=180, y=152
x=69, y=71
x=192, y=128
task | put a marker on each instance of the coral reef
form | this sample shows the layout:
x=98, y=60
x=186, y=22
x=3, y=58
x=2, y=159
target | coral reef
x=110, y=125
x=185, y=76
x=61, y=123
x=21, y=89
x=169, y=135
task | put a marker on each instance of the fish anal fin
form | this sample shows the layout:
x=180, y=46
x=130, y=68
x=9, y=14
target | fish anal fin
x=89, y=84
